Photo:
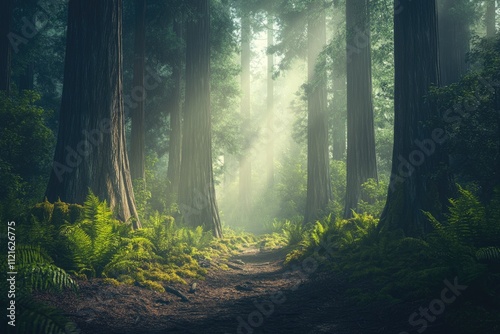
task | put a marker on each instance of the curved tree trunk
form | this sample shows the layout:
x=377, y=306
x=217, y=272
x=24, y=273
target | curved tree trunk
x=137, y=135
x=319, y=191
x=196, y=190
x=416, y=153
x=361, y=159
x=90, y=152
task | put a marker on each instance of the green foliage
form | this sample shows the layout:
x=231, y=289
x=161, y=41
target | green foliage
x=92, y=241
x=469, y=222
x=36, y=317
x=338, y=175
x=294, y=232
x=373, y=197
x=291, y=189
x=26, y=144
x=142, y=197
x=36, y=272
x=469, y=114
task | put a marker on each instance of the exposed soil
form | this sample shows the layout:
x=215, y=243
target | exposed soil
x=257, y=295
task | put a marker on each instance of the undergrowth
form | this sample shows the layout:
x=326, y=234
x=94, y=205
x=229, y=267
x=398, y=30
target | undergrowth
x=89, y=242
x=390, y=268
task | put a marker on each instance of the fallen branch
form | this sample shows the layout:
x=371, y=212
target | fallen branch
x=235, y=267
x=176, y=292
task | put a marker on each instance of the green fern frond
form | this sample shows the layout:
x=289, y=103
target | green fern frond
x=413, y=244
x=39, y=318
x=488, y=254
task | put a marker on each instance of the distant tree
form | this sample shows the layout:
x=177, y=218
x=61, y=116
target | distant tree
x=245, y=161
x=454, y=18
x=5, y=48
x=175, y=137
x=490, y=18
x=361, y=158
x=415, y=185
x=90, y=152
x=270, y=101
x=138, y=94
x=338, y=103
x=319, y=192
x=196, y=189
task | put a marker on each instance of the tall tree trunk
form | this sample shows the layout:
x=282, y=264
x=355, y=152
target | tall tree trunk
x=270, y=102
x=137, y=156
x=454, y=40
x=361, y=159
x=245, y=184
x=339, y=87
x=491, y=18
x=5, y=49
x=175, y=139
x=416, y=153
x=90, y=151
x=339, y=118
x=196, y=190
x=319, y=191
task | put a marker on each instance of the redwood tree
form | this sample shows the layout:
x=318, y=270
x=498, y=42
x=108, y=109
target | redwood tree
x=175, y=137
x=196, y=190
x=361, y=159
x=339, y=87
x=137, y=146
x=90, y=153
x=416, y=153
x=491, y=18
x=245, y=168
x=5, y=49
x=270, y=102
x=454, y=39
x=319, y=191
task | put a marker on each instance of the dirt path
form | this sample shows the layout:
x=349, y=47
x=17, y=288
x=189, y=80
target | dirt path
x=257, y=295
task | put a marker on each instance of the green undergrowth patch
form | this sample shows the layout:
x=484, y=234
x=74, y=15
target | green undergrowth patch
x=390, y=268
x=89, y=242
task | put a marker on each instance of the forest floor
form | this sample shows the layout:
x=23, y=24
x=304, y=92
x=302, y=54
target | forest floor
x=256, y=295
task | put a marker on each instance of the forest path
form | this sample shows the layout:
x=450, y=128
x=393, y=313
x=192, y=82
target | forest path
x=256, y=295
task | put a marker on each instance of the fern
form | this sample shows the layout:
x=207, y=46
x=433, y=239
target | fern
x=38, y=272
x=488, y=254
x=294, y=232
x=39, y=318
x=94, y=240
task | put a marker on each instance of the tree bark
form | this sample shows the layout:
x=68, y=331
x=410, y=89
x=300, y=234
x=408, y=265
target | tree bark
x=175, y=138
x=454, y=41
x=5, y=48
x=270, y=102
x=138, y=94
x=361, y=158
x=245, y=184
x=339, y=113
x=196, y=191
x=91, y=152
x=319, y=191
x=491, y=18
x=26, y=81
x=416, y=153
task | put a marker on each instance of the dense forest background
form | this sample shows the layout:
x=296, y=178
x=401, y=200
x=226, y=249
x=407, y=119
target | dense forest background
x=142, y=139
